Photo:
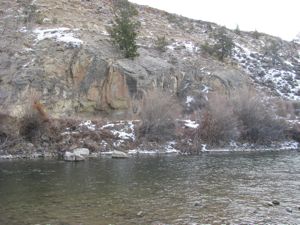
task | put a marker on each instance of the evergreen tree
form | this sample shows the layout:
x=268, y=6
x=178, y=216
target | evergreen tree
x=124, y=29
x=223, y=45
x=271, y=50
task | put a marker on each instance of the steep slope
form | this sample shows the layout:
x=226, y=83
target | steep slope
x=60, y=52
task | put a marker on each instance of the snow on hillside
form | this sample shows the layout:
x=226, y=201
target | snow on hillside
x=283, y=80
x=58, y=34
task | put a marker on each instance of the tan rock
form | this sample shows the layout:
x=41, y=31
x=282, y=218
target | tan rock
x=114, y=93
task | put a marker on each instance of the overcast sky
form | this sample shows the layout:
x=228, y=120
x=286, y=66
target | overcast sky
x=276, y=17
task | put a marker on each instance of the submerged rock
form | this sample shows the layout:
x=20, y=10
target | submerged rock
x=269, y=204
x=197, y=204
x=119, y=154
x=140, y=214
x=275, y=202
x=289, y=210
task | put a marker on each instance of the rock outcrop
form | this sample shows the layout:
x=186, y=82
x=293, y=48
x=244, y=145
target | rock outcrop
x=60, y=52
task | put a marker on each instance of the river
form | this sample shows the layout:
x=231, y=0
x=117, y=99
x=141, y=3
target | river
x=213, y=188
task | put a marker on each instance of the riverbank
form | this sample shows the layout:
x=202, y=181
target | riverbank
x=60, y=137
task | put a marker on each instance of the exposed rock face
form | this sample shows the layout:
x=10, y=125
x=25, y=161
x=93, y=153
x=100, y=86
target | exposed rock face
x=62, y=54
x=114, y=92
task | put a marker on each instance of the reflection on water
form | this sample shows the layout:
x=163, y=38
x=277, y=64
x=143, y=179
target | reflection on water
x=226, y=188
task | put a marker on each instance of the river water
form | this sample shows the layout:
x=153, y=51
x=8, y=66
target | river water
x=230, y=188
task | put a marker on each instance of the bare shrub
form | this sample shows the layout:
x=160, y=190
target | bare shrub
x=32, y=124
x=218, y=126
x=259, y=123
x=8, y=132
x=285, y=108
x=161, y=43
x=242, y=116
x=158, y=114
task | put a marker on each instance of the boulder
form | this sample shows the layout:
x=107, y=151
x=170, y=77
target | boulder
x=119, y=154
x=268, y=204
x=197, y=204
x=275, y=202
x=78, y=154
x=81, y=151
x=69, y=156
x=289, y=210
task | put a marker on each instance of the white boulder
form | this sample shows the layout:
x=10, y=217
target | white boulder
x=119, y=154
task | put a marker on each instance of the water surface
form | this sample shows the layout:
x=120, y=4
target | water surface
x=227, y=188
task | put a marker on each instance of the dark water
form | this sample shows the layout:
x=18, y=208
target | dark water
x=229, y=188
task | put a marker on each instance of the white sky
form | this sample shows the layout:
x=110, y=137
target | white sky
x=277, y=17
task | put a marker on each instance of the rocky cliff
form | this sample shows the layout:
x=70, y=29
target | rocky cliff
x=60, y=52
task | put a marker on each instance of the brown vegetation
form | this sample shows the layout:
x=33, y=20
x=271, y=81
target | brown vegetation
x=158, y=116
x=242, y=116
x=218, y=125
x=259, y=123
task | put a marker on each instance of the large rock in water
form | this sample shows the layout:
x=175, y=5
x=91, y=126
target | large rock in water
x=81, y=151
x=78, y=154
x=119, y=155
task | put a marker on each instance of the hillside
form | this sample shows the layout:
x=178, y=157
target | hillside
x=59, y=55
x=61, y=52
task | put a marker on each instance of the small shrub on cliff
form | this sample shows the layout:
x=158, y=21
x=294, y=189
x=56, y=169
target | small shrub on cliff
x=158, y=114
x=256, y=34
x=161, y=43
x=124, y=29
x=222, y=48
x=237, y=30
x=271, y=50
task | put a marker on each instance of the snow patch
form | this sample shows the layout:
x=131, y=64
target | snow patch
x=190, y=124
x=169, y=148
x=125, y=133
x=143, y=152
x=89, y=125
x=189, y=46
x=289, y=145
x=283, y=81
x=62, y=34
x=23, y=29
x=189, y=100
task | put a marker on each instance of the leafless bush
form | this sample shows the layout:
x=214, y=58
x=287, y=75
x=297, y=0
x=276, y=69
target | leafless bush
x=259, y=123
x=8, y=131
x=31, y=126
x=285, y=109
x=158, y=114
x=34, y=122
x=218, y=125
x=242, y=117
